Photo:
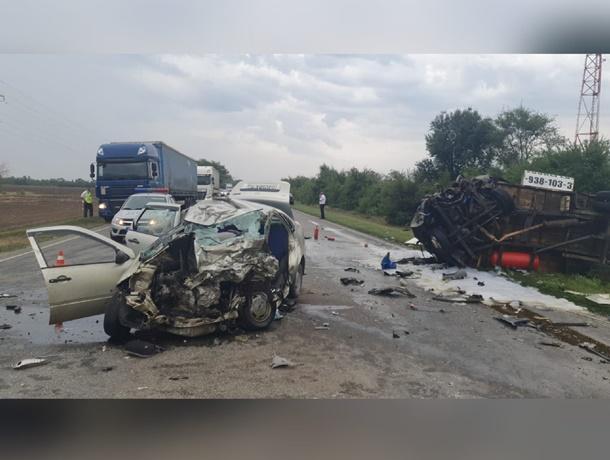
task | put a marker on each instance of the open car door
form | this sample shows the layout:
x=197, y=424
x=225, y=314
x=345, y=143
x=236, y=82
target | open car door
x=155, y=220
x=80, y=269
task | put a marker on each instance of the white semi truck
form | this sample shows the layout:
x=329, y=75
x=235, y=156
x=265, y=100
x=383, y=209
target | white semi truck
x=208, y=182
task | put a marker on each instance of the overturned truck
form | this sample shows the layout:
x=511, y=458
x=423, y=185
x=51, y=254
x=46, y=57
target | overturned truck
x=484, y=222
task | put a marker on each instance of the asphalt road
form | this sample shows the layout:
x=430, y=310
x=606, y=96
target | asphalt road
x=375, y=347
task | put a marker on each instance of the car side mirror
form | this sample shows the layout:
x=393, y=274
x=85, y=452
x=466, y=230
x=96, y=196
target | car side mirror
x=153, y=167
x=120, y=258
x=91, y=170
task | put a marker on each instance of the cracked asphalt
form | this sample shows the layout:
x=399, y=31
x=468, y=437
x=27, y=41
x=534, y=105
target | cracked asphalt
x=374, y=347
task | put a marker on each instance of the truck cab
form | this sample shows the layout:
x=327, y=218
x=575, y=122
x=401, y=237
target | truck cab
x=208, y=182
x=125, y=168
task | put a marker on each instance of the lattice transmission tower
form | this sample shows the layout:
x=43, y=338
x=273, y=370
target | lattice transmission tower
x=587, y=121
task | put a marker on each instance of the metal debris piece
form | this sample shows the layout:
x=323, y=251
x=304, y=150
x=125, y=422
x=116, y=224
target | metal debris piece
x=457, y=275
x=278, y=361
x=587, y=358
x=180, y=377
x=550, y=344
x=324, y=327
x=416, y=260
x=29, y=362
x=142, y=349
x=330, y=238
x=5, y=326
x=278, y=315
x=14, y=308
x=241, y=338
x=590, y=347
x=6, y=296
x=351, y=281
x=352, y=269
x=395, y=335
x=391, y=292
x=107, y=368
x=480, y=283
x=512, y=321
x=570, y=324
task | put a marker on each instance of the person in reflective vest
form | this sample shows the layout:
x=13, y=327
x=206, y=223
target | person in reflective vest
x=87, y=198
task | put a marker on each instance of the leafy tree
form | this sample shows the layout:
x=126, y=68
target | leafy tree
x=526, y=134
x=462, y=139
x=223, y=172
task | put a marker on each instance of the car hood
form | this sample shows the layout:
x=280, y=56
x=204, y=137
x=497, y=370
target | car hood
x=128, y=213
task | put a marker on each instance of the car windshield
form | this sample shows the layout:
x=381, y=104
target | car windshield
x=122, y=170
x=156, y=222
x=140, y=201
x=204, y=180
x=249, y=226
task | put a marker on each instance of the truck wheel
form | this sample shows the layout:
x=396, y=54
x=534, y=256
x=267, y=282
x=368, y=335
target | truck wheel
x=257, y=312
x=112, y=322
x=295, y=288
x=441, y=246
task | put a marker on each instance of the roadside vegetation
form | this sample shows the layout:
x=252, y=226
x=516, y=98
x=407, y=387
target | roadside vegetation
x=373, y=226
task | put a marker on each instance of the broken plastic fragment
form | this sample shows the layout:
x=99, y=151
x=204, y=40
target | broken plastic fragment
x=29, y=362
x=278, y=361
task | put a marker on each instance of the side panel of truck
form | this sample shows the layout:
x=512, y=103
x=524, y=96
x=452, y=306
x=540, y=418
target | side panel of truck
x=179, y=172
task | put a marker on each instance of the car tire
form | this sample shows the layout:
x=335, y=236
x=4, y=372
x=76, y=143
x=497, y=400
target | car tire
x=257, y=312
x=295, y=288
x=112, y=322
x=440, y=245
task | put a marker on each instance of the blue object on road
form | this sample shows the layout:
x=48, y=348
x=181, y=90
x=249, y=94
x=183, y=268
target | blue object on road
x=386, y=263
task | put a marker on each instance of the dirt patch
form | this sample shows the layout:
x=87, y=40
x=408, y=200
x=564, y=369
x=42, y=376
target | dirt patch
x=23, y=206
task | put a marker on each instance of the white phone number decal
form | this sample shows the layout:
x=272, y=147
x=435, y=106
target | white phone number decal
x=548, y=181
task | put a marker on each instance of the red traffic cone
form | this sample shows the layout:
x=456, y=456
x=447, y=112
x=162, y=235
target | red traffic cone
x=60, y=262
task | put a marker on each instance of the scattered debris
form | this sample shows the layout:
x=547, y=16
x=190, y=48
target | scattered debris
x=399, y=273
x=550, y=344
x=142, y=349
x=587, y=358
x=15, y=308
x=107, y=368
x=7, y=296
x=395, y=335
x=458, y=296
x=480, y=283
x=241, y=338
x=602, y=299
x=458, y=275
x=391, y=292
x=512, y=321
x=416, y=260
x=413, y=307
x=334, y=313
x=352, y=269
x=387, y=263
x=330, y=238
x=5, y=326
x=278, y=315
x=278, y=361
x=29, y=362
x=142, y=388
x=569, y=324
x=324, y=327
x=351, y=281
x=591, y=348
x=180, y=377
x=413, y=242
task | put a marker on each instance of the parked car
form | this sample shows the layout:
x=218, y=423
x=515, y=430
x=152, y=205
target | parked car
x=229, y=261
x=155, y=220
x=131, y=209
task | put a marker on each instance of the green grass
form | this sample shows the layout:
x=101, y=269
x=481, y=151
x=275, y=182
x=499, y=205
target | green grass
x=556, y=284
x=16, y=239
x=374, y=226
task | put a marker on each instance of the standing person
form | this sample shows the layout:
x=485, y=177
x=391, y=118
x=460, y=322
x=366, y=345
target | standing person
x=87, y=198
x=322, y=204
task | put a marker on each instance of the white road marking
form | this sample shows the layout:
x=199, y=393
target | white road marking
x=49, y=245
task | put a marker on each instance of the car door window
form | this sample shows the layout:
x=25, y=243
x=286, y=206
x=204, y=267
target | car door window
x=76, y=249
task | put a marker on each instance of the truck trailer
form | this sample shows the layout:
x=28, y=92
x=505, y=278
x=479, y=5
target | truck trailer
x=125, y=168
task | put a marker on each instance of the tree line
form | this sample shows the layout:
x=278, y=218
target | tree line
x=462, y=142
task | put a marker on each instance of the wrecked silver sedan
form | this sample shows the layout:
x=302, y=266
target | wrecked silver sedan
x=228, y=262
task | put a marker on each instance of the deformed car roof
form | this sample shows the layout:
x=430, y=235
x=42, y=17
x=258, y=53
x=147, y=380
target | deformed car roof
x=211, y=212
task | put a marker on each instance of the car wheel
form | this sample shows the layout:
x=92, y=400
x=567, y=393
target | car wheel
x=112, y=322
x=441, y=247
x=257, y=312
x=295, y=288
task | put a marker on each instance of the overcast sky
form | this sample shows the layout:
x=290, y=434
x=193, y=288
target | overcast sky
x=265, y=116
